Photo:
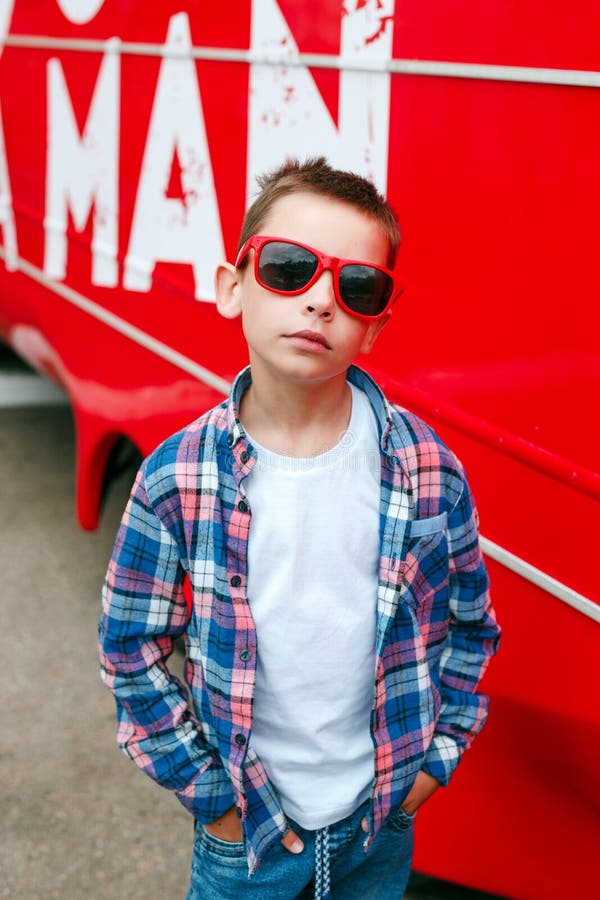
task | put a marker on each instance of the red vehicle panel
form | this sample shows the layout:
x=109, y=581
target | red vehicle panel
x=130, y=137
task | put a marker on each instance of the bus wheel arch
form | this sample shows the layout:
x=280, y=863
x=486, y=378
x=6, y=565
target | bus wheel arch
x=103, y=454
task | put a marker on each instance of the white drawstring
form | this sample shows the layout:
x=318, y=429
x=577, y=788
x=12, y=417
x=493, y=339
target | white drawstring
x=322, y=878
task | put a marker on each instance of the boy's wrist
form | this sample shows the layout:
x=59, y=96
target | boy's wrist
x=425, y=785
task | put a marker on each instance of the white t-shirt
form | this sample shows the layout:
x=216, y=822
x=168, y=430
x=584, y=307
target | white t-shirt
x=313, y=561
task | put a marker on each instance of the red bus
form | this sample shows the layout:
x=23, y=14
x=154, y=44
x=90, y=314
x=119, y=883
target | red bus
x=130, y=137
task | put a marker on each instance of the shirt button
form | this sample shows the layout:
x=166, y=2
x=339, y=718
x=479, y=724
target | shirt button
x=230, y=439
x=240, y=740
x=235, y=581
x=244, y=456
x=238, y=812
x=243, y=506
x=245, y=655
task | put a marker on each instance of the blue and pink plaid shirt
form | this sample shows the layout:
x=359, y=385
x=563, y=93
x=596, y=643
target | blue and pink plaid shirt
x=188, y=517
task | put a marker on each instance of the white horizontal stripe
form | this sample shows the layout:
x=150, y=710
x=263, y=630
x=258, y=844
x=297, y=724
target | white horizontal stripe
x=480, y=71
x=507, y=559
x=434, y=68
x=541, y=579
x=18, y=390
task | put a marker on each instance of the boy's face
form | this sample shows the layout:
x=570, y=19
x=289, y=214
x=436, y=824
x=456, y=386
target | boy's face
x=307, y=337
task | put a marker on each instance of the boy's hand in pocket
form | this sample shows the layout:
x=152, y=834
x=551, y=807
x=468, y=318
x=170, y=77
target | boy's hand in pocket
x=228, y=827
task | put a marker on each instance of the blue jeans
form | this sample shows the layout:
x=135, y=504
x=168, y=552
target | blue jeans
x=220, y=871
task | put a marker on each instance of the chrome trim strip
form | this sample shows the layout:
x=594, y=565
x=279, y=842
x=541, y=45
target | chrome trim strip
x=541, y=579
x=426, y=67
x=123, y=327
x=494, y=551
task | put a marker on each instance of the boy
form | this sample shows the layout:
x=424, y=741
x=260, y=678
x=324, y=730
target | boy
x=340, y=620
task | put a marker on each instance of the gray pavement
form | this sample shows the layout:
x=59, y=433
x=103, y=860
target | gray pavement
x=78, y=820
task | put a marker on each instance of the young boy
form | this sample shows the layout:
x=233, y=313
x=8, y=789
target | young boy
x=340, y=620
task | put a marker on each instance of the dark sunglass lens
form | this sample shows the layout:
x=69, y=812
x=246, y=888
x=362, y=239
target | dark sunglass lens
x=286, y=267
x=365, y=290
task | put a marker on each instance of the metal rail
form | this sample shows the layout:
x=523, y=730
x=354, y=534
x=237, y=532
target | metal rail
x=419, y=67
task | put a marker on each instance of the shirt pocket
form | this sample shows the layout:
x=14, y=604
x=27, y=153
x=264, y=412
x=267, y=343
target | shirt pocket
x=422, y=527
x=425, y=575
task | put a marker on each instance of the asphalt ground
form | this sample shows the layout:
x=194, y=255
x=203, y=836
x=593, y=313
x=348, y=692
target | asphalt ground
x=78, y=820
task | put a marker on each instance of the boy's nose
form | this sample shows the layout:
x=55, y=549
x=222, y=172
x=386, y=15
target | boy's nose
x=320, y=299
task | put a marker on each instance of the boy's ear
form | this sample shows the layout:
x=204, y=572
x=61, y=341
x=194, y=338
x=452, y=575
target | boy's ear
x=373, y=332
x=228, y=290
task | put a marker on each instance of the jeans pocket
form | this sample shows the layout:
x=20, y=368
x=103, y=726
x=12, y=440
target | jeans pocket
x=400, y=820
x=229, y=852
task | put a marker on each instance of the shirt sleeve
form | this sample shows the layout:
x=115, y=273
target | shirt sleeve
x=144, y=610
x=472, y=640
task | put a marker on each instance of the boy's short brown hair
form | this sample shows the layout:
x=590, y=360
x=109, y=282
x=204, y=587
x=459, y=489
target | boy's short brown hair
x=316, y=176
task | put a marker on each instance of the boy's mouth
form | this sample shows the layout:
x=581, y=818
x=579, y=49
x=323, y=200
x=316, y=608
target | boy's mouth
x=311, y=339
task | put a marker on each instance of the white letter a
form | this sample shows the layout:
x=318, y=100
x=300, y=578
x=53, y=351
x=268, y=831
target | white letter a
x=166, y=228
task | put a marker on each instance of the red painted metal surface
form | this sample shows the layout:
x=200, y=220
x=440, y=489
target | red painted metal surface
x=495, y=342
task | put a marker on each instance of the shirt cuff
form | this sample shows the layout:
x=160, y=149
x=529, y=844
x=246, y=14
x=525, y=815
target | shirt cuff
x=442, y=758
x=208, y=795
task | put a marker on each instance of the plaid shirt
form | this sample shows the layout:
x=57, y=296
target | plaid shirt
x=188, y=517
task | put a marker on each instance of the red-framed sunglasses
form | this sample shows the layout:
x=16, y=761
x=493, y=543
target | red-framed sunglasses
x=287, y=267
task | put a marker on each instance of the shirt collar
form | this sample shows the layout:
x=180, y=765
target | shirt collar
x=376, y=398
x=356, y=376
x=238, y=389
